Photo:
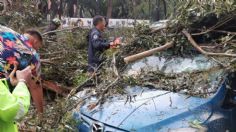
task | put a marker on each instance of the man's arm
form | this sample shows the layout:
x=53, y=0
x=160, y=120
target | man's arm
x=99, y=43
x=15, y=105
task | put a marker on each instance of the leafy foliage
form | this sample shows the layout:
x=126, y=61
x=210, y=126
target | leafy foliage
x=23, y=15
x=191, y=11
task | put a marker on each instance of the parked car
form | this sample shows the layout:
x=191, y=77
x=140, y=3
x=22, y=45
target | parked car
x=155, y=110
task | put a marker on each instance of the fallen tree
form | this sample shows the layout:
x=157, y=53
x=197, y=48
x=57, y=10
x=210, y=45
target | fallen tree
x=198, y=27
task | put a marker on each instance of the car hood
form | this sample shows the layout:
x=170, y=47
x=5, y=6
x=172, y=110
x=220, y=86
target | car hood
x=144, y=108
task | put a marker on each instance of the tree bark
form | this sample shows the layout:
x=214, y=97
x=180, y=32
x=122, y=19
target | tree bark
x=165, y=9
x=109, y=9
x=81, y=12
x=158, y=9
x=147, y=53
x=91, y=12
x=97, y=10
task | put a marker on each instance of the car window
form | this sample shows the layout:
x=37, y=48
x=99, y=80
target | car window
x=171, y=65
x=198, y=76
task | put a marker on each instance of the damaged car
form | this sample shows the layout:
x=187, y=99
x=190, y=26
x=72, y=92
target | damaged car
x=206, y=103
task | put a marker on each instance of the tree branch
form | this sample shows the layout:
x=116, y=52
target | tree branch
x=195, y=45
x=150, y=52
x=61, y=30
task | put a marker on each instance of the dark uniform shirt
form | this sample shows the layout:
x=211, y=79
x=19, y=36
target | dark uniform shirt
x=97, y=45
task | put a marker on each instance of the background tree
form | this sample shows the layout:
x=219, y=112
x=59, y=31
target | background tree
x=109, y=8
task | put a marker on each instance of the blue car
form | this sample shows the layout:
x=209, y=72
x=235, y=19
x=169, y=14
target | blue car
x=145, y=109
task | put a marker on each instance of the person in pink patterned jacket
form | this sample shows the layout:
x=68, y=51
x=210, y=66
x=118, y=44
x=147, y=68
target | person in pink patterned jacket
x=21, y=49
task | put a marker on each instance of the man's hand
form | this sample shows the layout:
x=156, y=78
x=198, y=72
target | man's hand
x=24, y=75
x=12, y=77
x=115, y=43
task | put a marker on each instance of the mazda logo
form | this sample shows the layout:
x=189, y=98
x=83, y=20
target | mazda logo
x=97, y=127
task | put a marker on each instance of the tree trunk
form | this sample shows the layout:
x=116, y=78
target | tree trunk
x=49, y=4
x=175, y=8
x=109, y=9
x=81, y=12
x=75, y=10
x=149, y=9
x=133, y=9
x=97, y=10
x=91, y=13
x=157, y=10
x=165, y=9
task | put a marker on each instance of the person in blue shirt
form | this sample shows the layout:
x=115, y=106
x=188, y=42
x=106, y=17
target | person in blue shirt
x=97, y=44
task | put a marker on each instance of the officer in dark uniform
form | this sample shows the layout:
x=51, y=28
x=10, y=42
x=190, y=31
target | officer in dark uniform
x=97, y=44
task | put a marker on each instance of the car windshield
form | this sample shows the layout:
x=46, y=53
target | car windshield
x=196, y=76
